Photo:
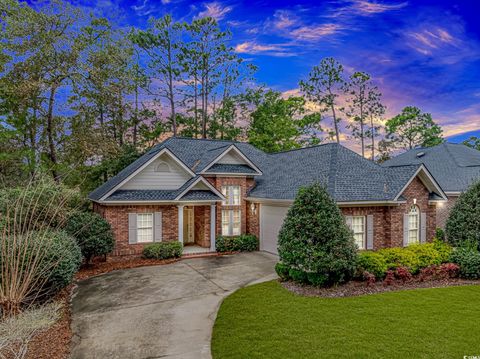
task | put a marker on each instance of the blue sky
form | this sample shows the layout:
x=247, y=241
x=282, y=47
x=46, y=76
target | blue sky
x=421, y=53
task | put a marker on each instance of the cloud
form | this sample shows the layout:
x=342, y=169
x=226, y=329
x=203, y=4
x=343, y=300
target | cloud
x=283, y=19
x=365, y=8
x=215, y=9
x=314, y=32
x=252, y=47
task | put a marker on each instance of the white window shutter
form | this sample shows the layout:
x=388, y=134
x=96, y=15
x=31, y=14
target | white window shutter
x=370, y=231
x=423, y=227
x=132, y=228
x=405, y=230
x=157, y=223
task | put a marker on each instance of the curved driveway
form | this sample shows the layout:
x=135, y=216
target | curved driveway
x=163, y=311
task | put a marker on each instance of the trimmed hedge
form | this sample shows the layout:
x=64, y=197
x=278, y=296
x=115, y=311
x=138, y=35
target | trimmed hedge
x=242, y=243
x=469, y=261
x=163, y=250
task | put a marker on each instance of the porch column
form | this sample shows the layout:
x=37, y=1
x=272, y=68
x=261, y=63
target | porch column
x=180, y=223
x=212, y=227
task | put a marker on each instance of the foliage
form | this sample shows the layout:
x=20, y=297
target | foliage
x=323, y=87
x=315, y=238
x=440, y=234
x=442, y=271
x=279, y=124
x=92, y=233
x=469, y=262
x=163, y=250
x=399, y=257
x=17, y=332
x=473, y=142
x=426, y=253
x=403, y=274
x=412, y=128
x=243, y=243
x=372, y=262
x=282, y=270
x=445, y=322
x=463, y=223
x=444, y=250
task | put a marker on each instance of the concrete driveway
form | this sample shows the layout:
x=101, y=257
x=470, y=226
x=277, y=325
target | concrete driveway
x=162, y=311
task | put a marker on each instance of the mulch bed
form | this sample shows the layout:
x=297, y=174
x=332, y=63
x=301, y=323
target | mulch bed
x=356, y=288
x=54, y=342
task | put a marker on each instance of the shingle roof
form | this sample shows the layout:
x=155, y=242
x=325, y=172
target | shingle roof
x=229, y=168
x=143, y=195
x=200, y=195
x=347, y=176
x=454, y=166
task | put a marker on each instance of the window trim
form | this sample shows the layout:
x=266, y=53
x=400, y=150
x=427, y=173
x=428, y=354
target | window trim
x=364, y=232
x=411, y=230
x=228, y=192
x=231, y=222
x=152, y=227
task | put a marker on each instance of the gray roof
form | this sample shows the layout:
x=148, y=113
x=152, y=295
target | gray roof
x=347, y=176
x=200, y=195
x=454, y=166
x=229, y=168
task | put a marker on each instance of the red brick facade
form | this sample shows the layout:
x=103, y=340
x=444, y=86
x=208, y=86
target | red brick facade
x=444, y=210
x=388, y=220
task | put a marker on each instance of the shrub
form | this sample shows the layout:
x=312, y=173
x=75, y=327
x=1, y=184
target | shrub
x=92, y=232
x=469, y=262
x=442, y=271
x=317, y=279
x=298, y=275
x=389, y=277
x=282, y=271
x=403, y=274
x=163, y=250
x=372, y=262
x=244, y=243
x=400, y=257
x=369, y=278
x=440, y=234
x=426, y=254
x=444, y=250
x=314, y=237
x=463, y=224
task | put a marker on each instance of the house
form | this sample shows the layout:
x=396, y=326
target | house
x=193, y=190
x=454, y=166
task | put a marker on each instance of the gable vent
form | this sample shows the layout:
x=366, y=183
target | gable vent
x=420, y=154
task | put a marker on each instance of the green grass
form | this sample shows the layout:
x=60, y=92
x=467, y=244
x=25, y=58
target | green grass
x=267, y=321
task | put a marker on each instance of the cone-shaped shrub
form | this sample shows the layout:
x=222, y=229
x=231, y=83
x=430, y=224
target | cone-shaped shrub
x=315, y=239
x=463, y=224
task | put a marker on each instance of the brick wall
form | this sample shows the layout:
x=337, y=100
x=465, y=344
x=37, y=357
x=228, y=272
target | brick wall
x=202, y=226
x=117, y=216
x=443, y=211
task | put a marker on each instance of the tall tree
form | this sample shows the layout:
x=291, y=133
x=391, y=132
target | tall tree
x=375, y=112
x=279, y=124
x=360, y=91
x=162, y=41
x=323, y=86
x=473, y=142
x=412, y=128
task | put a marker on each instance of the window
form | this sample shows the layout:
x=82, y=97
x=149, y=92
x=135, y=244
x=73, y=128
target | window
x=358, y=228
x=162, y=167
x=144, y=227
x=413, y=225
x=232, y=194
x=231, y=222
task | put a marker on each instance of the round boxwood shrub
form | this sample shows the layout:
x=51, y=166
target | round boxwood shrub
x=371, y=262
x=92, y=233
x=314, y=238
x=463, y=224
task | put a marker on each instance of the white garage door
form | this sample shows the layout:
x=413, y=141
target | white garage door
x=271, y=220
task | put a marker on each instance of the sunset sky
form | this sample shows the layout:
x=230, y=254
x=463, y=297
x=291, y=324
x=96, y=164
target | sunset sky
x=421, y=53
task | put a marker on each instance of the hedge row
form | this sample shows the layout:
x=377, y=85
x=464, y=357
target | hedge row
x=242, y=243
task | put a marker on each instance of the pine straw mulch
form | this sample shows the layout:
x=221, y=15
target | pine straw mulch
x=356, y=288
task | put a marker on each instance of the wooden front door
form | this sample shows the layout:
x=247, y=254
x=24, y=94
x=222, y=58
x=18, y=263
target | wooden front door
x=188, y=225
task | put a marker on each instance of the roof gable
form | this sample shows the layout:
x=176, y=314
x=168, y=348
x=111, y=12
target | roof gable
x=232, y=156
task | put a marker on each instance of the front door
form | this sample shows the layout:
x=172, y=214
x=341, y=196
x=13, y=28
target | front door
x=188, y=225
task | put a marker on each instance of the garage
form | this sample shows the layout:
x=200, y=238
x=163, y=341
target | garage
x=271, y=220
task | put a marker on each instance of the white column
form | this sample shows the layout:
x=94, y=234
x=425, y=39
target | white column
x=212, y=227
x=180, y=223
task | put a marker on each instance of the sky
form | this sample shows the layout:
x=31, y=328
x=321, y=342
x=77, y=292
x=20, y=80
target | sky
x=419, y=53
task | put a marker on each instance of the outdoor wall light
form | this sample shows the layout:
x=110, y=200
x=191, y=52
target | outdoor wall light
x=253, y=208
x=414, y=201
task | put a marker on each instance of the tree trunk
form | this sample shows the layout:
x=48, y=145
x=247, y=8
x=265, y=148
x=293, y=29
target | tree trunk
x=372, y=134
x=337, y=134
x=170, y=90
x=50, y=128
x=135, y=124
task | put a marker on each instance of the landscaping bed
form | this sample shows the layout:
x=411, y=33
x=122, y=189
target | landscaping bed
x=356, y=288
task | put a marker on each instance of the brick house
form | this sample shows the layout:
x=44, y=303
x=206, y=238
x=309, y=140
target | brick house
x=193, y=190
x=454, y=166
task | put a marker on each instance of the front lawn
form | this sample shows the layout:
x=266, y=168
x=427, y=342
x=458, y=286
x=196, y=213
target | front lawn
x=267, y=321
